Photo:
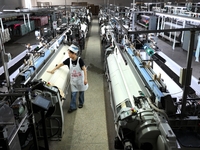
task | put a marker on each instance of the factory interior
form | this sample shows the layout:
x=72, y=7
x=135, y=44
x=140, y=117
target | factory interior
x=142, y=69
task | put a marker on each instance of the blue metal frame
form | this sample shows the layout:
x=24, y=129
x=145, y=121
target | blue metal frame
x=159, y=95
x=42, y=59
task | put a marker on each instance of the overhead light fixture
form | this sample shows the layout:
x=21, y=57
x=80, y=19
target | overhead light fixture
x=12, y=10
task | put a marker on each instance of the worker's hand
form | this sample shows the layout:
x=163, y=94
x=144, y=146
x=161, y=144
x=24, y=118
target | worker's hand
x=52, y=72
x=85, y=82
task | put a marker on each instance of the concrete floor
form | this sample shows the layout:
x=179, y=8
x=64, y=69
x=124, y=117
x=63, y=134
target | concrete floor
x=179, y=56
x=86, y=128
x=91, y=128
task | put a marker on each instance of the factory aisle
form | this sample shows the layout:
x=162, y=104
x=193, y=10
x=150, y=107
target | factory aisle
x=85, y=128
x=91, y=128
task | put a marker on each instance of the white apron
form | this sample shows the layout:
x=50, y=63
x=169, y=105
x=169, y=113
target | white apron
x=77, y=77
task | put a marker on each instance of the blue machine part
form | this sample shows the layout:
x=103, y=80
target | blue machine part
x=57, y=43
x=60, y=39
x=28, y=73
x=31, y=70
x=148, y=49
x=42, y=59
x=159, y=95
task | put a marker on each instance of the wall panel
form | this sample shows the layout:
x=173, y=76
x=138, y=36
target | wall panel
x=10, y=4
x=95, y=2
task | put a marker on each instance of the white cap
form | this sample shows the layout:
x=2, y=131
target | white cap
x=73, y=48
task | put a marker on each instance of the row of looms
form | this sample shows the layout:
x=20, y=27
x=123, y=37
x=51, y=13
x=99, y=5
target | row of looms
x=155, y=102
x=31, y=105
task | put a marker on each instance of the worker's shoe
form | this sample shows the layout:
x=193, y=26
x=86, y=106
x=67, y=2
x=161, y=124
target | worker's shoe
x=71, y=110
x=80, y=106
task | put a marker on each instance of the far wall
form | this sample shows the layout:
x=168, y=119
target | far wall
x=9, y=4
x=95, y=2
x=12, y=4
x=116, y=2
